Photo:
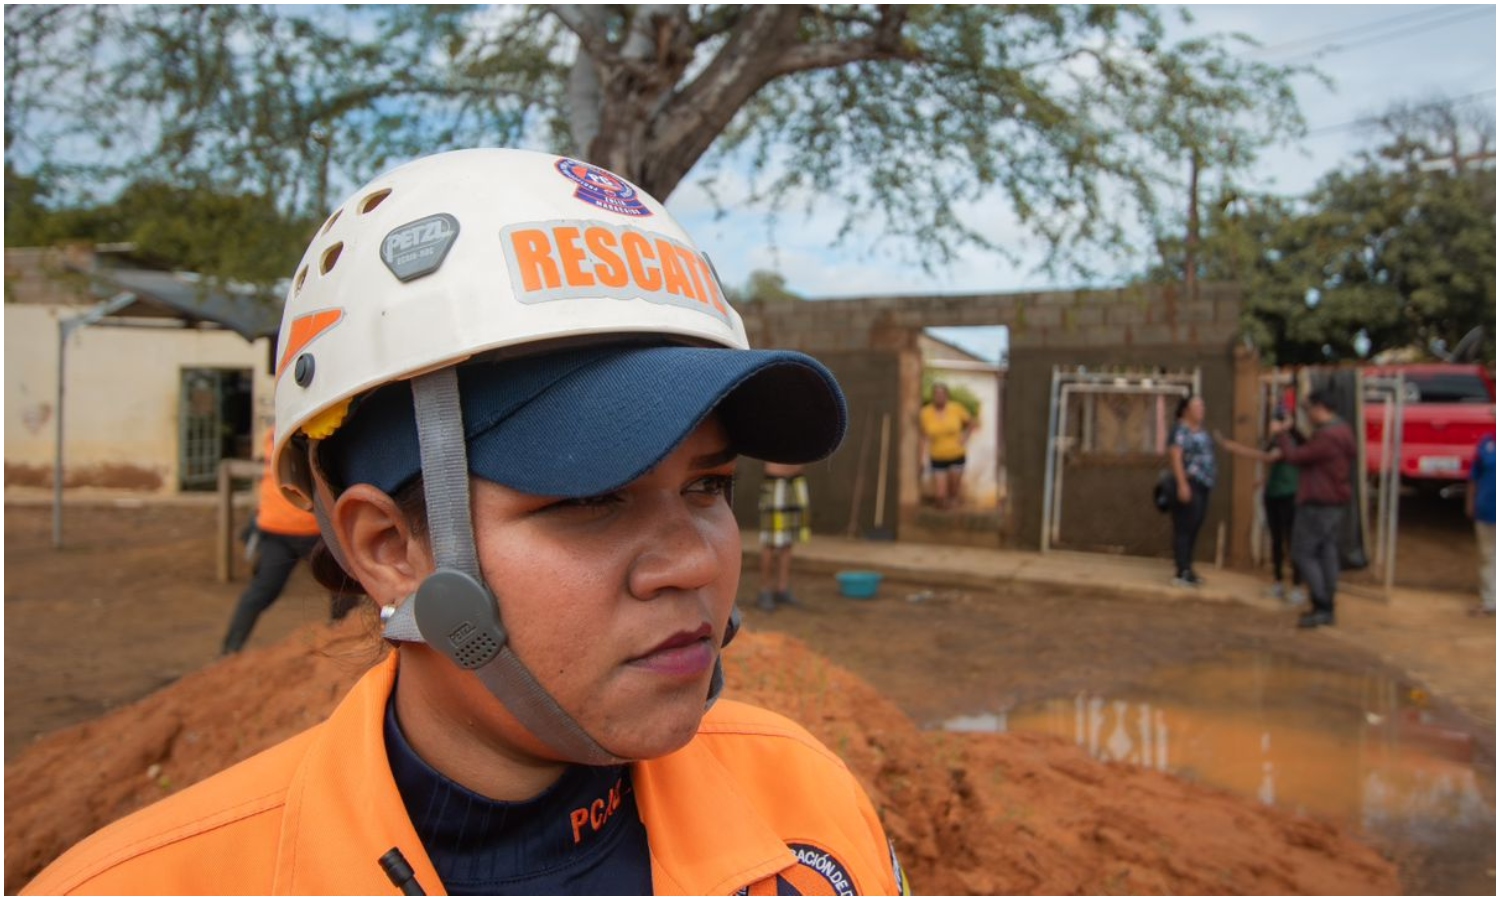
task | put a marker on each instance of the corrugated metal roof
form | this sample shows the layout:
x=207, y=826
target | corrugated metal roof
x=194, y=301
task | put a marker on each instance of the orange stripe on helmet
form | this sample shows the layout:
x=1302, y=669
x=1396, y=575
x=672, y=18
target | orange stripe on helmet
x=304, y=330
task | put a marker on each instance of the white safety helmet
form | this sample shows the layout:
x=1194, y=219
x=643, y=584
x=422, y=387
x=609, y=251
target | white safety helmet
x=464, y=252
x=538, y=322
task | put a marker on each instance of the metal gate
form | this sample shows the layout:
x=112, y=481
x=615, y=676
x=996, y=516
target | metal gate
x=200, y=428
x=1378, y=485
x=1125, y=414
x=1389, y=392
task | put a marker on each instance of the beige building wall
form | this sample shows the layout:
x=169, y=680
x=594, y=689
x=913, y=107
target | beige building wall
x=122, y=397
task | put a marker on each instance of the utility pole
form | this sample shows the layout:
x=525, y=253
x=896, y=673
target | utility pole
x=1190, y=246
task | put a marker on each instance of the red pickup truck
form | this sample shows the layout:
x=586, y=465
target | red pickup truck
x=1448, y=408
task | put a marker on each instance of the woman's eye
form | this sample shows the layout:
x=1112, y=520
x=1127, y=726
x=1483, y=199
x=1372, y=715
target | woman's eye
x=598, y=501
x=714, y=486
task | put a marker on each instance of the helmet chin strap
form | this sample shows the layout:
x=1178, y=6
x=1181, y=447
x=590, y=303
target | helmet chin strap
x=454, y=612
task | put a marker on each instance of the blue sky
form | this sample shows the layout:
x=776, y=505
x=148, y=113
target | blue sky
x=1375, y=54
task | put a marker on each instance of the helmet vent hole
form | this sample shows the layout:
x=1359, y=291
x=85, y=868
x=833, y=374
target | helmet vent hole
x=331, y=258
x=301, y=277
x=331, y=219
x=374, y=200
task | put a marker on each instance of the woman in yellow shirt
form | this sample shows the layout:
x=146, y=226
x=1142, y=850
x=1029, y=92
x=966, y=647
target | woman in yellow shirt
x=945, y=430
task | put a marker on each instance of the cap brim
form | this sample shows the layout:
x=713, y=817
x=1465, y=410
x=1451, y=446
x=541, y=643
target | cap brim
x=584, y=422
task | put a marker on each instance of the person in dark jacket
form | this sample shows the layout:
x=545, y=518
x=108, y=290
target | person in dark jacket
x=1324, y=488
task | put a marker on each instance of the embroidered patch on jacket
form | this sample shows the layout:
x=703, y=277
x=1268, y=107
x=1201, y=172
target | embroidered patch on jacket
x=818, y=873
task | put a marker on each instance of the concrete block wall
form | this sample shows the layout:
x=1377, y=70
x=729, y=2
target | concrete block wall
x=1152, y=325
x=1147, y=316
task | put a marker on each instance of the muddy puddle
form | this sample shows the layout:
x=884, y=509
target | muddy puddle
x=1363, y=749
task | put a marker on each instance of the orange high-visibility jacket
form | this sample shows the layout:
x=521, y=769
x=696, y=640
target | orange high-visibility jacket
x=314, y=814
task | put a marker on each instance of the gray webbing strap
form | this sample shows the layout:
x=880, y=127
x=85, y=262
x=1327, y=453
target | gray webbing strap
x=445, y=473
x=509, y=680
x=400, y=622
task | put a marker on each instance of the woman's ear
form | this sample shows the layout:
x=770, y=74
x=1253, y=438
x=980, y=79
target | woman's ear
x=381, y=548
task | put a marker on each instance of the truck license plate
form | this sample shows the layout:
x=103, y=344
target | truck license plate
x=1433, y=464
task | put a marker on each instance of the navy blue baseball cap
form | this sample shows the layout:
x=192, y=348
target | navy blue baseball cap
x=582, y=422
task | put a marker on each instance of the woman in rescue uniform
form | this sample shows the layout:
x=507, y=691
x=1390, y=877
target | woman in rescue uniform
x=512, y=392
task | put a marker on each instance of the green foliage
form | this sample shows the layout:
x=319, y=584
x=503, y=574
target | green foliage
x=957, y=393
x=234, y=237
x=1075, y=117
x=1401, y=249
x=764, y=287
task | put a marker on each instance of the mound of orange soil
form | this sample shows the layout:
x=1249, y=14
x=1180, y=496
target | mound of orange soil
x=970, y=814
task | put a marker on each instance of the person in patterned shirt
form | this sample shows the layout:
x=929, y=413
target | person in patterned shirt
x=1191, y=451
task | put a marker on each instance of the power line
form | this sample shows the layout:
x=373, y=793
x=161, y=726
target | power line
x=1402, y=34
x=1329, y=42
x=1326, y=37
x=1337, y=48
x=1369, y=120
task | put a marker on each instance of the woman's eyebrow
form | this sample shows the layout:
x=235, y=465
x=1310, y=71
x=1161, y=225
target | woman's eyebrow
x=717, y=458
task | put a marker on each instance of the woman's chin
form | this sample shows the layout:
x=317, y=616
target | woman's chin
x=657, y=736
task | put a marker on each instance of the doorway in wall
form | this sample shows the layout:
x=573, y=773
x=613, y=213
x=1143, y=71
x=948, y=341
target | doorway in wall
x=971, y=361
x=214, y=423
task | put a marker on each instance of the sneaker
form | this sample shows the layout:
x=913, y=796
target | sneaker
x=766, y=601
x=1188, y=579
x=1276, y=591
x=1297, y=596
x=1315, y=620
x=785, y=598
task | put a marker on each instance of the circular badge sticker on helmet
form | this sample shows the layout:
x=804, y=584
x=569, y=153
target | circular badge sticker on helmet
x=597, y=187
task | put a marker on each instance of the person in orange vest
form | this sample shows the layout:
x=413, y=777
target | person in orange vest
x=284, y=536
x=512, y=388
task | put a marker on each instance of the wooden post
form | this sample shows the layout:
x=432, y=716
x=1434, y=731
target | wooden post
x=1244, y=429
x=229, y=470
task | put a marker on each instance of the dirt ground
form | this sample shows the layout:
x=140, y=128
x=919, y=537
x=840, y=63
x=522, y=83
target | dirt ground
x=131, y=606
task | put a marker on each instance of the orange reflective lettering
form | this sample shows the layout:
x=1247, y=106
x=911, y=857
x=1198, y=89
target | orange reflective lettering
x=695, y=268
x=579, y=817
x=571, y=255
x=711, y=284
x=597, y=814
x=637, y=250
x=671, y=270
x=608, y=267
x=534, y=256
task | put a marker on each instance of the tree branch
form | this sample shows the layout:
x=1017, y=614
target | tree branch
x=587, y=22
x=884, y=43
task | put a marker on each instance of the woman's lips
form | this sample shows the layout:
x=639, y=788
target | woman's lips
x=684, y=654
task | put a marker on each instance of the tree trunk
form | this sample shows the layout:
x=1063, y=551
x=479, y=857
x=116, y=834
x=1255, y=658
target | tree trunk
x=652, y=133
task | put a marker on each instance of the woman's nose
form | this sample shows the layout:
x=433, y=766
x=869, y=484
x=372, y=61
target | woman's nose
x=680, y=548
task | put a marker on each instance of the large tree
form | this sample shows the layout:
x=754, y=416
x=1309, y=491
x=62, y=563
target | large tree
x=1076, y=117
x=1399, y=248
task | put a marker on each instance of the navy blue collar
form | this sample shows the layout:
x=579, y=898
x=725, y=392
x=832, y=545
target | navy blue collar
x=581, y=835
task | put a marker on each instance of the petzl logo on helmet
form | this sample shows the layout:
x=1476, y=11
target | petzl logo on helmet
x=572, y=260
x=418, y=248
x=601, y=189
